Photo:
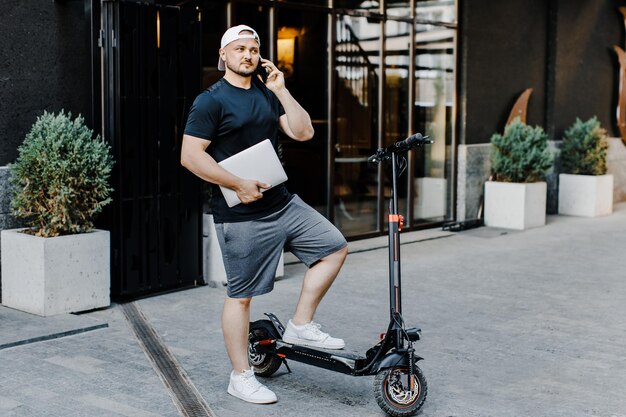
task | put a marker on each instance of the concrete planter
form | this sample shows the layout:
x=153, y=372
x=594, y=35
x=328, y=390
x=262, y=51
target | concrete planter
x=585, y=195
x=213, y=270
x=430, y=201
x=54, y=275
x=512, y=205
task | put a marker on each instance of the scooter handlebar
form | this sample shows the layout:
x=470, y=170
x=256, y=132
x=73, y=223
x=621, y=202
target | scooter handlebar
x=411, y=142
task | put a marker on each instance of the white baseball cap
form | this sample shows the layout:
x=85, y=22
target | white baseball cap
x=232, y=35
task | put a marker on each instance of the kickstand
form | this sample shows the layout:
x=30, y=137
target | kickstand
x=286, y=365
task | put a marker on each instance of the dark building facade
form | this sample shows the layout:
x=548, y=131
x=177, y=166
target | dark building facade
x=369, y=73
x=561, y=49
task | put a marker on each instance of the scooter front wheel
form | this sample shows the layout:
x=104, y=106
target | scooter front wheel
x=264, y=363
x=398, y=395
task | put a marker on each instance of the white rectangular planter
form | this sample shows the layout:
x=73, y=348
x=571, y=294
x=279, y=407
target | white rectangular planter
x=513, y=205
x=431, y=198
x=585, y=195
x=55, y=275
x=213, y=270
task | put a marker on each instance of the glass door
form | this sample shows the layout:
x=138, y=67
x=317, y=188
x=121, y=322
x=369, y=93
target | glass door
x=356, y=184
x=302, y=56
x=396, y=98
x=433, y=111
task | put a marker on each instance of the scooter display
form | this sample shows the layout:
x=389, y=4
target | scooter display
x=399, y=385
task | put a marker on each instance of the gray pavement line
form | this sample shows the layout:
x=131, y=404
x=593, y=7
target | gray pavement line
x=53, y=336
x=183, y=392
x=380, y=246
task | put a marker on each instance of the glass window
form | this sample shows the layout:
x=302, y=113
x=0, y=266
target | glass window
x=434, y=115
x=359, y=5
x=418, y=101
x=302, y=55
x=255, y=16
x=397, y=8
x=357, y=57
x=307, y=2
x=436, y=10
x=213, y=18
x=396, y=96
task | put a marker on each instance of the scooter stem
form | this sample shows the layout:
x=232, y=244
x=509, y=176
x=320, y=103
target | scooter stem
x=395, y=224
x=394, y=183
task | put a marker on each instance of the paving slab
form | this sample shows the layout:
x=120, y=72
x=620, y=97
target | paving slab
x=102, y=372
x=18, y=328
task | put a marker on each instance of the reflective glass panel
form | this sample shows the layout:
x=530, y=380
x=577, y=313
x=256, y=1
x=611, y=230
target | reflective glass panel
x=359, y=5
x=434, y=115
x=255, y=16
x=357, y=57
x=396, y=97
x=397, y=8
x=315, y=2
x=213, y=18
x=302, y=56
x=436, y=10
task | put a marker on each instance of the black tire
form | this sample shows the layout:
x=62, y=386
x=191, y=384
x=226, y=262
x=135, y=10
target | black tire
x=392, y=393
x=264, y=364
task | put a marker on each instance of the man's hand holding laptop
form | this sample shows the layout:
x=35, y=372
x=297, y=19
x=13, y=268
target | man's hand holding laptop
x=250, y=190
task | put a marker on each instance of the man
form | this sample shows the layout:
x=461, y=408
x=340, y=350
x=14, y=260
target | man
x=233, y=114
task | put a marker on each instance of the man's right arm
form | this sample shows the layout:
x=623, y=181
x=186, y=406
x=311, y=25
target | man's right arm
x=193, y=156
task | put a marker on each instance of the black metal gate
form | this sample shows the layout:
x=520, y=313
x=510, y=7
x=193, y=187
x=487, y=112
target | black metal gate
x=151, y=72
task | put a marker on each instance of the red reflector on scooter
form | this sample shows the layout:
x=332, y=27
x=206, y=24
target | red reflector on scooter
x=397, y=218
x=382, y=336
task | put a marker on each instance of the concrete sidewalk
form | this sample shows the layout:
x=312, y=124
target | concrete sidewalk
x=514, y=324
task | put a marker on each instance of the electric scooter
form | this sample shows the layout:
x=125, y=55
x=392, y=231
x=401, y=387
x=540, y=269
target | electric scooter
x=399, y=386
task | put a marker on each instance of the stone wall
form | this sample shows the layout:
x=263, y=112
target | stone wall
x=473, y=169
x=616, y=164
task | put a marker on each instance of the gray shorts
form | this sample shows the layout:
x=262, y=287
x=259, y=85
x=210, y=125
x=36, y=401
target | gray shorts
x=251, y=250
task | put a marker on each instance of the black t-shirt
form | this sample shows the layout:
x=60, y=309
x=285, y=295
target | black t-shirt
x=234, y=119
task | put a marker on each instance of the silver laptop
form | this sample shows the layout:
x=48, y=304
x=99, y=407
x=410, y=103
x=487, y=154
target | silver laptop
x=258, y=162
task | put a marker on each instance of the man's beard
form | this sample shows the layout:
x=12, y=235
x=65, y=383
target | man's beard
x=243, y=73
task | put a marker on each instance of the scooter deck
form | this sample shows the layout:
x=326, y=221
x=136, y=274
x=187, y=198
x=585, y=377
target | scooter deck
x=342, y=353
x=337, y=360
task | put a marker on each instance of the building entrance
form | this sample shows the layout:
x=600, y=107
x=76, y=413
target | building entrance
x=150, y=75
x=369, y=74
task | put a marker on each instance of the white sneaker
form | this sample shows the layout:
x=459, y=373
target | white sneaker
x=246, y=387
x=309, y=334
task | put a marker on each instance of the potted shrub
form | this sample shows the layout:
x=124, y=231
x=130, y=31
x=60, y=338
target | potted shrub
x=520, y=158
x=59, y=263
x=585, y=189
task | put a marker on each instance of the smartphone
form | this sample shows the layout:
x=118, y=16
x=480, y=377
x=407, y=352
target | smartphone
x=260, y=70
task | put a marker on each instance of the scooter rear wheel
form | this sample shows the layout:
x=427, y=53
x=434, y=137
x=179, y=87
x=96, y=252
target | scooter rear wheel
x=393, y=393
x=263, y=363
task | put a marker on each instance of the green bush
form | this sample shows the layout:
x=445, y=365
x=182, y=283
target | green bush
x=60, y=177
x=521, y=154
x=584, y=148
